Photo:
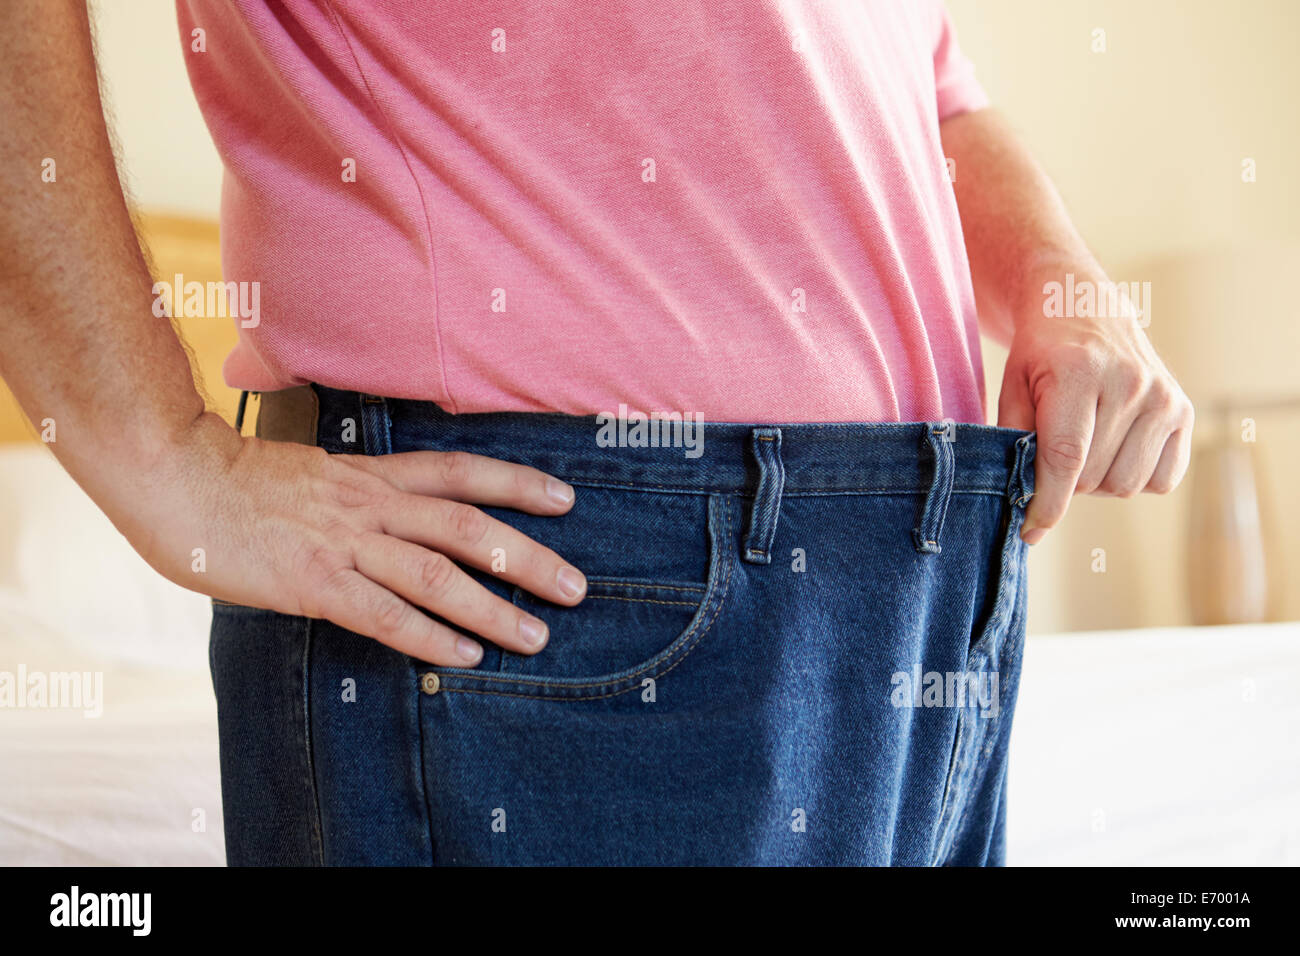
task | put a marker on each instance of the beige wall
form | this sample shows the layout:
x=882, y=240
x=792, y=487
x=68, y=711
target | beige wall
x=1146, y=140
x=166, y=153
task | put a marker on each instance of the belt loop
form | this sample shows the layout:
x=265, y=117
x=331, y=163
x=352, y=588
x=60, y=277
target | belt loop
x=376, y=425
x=939, y=436
x=1020, y=487
x=766, y=446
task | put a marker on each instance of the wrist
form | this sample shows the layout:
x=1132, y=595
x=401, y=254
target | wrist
x=207, y=445
x=167, y=497
x=1059, y=288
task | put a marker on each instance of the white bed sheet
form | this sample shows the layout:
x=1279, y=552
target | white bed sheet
x=122, y=788
x=137, y=785
x=1177, y=746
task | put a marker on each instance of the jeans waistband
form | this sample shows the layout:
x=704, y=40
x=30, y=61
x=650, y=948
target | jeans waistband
x=726, y=457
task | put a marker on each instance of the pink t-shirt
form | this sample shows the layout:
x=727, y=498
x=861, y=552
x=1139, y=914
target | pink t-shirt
x=739, y=208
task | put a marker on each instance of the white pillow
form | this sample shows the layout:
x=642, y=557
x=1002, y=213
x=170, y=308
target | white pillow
x=70, y=571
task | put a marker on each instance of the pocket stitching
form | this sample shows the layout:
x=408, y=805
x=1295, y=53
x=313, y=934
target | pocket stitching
x=678, y=647
x=619, y=597
x=642, y=585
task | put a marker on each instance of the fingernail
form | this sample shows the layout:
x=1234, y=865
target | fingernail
x=1033, y=535
x=571, y=582
x=558, y=491
x=468, y=650
x=532, y=631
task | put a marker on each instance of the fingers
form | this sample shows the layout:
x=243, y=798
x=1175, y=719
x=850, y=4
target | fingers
x=1134, y=464
x=1154, y=455
x=461, y=476
x=466, y=534
x=433, y=581
x=1110, y=419
x=1066, y=417
x=1173, y=463
x=1114, y=421
x=353, y=601
x=405, y=557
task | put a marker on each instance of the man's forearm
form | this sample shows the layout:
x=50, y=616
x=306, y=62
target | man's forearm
x=1018, y=233
x=79, y=343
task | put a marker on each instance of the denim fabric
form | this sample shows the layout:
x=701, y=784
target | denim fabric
x=767, y=669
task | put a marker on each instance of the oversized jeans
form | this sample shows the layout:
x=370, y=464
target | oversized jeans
x=800, y=645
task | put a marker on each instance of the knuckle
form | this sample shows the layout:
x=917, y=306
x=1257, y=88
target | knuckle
x=337, y=526
x=323, y=565
x=390, y=615
x=457, y=468
x=357, y=490
x=1131, y=383
x=436, y=574
x=1162, y=396
x=1162, y=484
x=320, y=576
x=1064, y=454
x=467, y=523
x=1086, y=484
x=1120, y=487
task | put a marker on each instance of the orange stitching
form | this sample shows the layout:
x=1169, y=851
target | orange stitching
x=607, y=583
x=619, y=597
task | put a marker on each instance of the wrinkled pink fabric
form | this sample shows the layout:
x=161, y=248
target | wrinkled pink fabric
x=739, y=208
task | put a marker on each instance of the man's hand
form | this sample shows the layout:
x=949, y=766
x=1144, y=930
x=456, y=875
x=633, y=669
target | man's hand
x=1110, y=418
x=365, y=542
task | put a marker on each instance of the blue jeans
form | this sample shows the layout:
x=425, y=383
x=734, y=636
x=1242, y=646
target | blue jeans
x=800, y=645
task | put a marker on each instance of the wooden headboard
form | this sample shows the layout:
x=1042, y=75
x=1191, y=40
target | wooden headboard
x=178, y=245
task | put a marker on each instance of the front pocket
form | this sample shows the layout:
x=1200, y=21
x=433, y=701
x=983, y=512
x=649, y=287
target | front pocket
x=626, y=631
x=619, y=624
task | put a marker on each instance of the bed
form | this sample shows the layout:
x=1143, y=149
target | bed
x=1175, y=746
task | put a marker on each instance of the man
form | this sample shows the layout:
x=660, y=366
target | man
x=792, y=635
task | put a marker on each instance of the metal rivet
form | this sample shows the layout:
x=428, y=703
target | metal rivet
x=430, y=683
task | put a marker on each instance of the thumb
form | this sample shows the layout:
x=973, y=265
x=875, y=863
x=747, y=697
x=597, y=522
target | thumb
x=1065, y=420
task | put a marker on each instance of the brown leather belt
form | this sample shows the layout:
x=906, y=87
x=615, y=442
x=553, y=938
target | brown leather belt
x=290, y=414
